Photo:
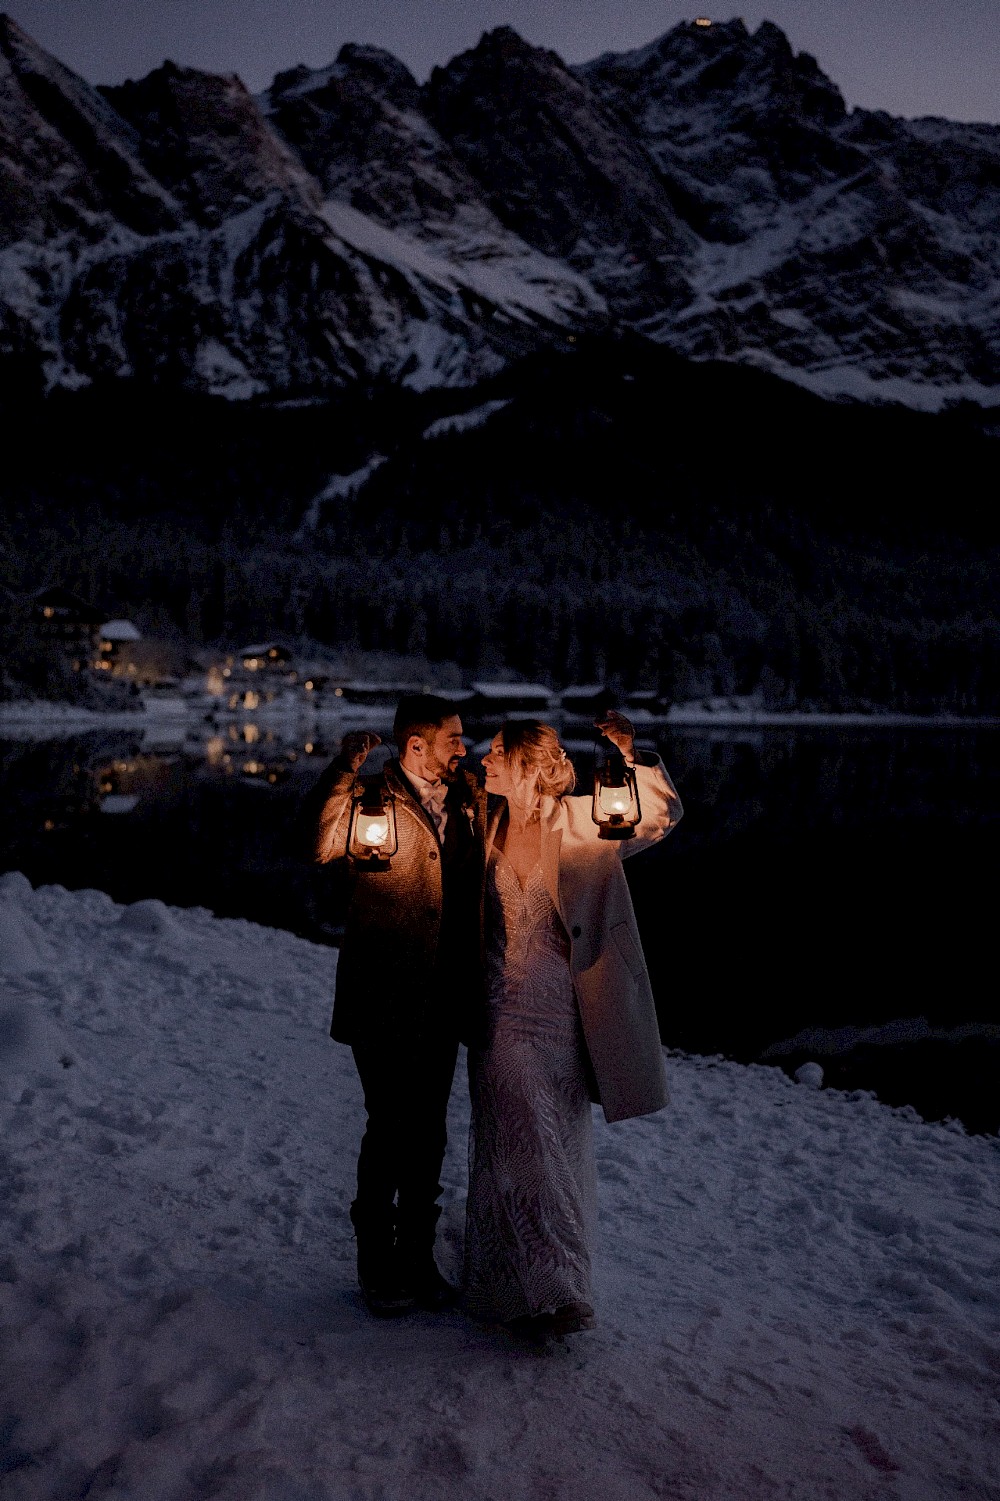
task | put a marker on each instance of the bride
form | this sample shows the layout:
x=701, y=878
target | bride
x=570, y=1020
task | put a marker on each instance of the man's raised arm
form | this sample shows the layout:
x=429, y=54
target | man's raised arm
x=330, y=800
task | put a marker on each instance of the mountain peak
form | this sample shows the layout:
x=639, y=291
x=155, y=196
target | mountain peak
x=500, y=48
x=204, y=137
x=725, y=65
x=10, y=28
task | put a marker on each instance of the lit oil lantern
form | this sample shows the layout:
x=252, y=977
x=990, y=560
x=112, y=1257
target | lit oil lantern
x=371, y=839
x=616, y=808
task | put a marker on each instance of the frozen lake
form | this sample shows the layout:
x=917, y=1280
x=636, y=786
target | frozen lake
x=824, y=898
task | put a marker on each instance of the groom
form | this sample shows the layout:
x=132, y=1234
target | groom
x=409, y=987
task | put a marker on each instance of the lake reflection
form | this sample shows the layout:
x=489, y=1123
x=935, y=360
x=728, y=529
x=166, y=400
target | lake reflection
x=821, y=883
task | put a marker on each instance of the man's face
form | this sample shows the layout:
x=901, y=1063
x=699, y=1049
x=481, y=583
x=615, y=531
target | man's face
x=445, y=749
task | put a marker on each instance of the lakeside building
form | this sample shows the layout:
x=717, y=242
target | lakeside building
x=69, y=622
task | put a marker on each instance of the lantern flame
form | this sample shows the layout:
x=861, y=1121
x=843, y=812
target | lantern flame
x=615, y=800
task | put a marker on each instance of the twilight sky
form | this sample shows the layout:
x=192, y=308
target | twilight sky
x=911, y=57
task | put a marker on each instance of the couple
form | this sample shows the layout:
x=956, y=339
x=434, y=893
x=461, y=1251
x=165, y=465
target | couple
x=504, y=922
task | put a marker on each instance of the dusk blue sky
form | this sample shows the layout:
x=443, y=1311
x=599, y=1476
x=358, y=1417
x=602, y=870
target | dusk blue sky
x=911, y=57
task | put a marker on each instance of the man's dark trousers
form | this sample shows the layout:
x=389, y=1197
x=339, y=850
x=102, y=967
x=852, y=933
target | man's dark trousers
x=406, y=1096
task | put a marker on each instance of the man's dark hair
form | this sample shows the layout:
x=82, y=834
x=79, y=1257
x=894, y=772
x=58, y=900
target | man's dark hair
x=419, y=714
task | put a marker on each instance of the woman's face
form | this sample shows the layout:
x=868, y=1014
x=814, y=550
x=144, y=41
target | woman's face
x=498, y=778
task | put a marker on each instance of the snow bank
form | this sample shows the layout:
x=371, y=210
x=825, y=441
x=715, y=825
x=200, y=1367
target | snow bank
x=796, y=1288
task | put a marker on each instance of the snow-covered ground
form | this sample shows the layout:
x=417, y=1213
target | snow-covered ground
x=797, y=1289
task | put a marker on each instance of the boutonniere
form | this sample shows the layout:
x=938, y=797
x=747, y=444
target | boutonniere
x=470, y=813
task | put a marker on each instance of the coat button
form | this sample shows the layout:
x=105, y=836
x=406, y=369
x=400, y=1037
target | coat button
x=432, y=855
x=576, y=932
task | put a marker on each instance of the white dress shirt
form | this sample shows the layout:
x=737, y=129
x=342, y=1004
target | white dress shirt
x=432, y=796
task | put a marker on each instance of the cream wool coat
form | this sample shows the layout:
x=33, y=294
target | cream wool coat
x=586, y=881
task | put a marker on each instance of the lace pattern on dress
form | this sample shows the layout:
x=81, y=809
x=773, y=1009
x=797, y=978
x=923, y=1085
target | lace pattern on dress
x=532, y=1188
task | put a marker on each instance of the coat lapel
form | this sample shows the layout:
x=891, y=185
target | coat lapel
x=493, y=817
x=551, y=845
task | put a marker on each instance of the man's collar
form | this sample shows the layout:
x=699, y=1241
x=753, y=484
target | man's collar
x=420, y=784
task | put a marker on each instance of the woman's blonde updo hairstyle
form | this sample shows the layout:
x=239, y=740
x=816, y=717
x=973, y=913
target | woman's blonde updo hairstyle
x=532, y=749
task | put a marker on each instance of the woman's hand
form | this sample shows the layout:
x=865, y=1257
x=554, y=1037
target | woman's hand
x=620, y=731
x=355, y=746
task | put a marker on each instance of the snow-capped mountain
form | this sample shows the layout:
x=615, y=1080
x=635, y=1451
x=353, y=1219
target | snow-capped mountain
x=850, y=251
x=710, y=191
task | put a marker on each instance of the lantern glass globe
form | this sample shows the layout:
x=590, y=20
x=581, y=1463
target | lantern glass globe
x=373, y=830
x=615, y=799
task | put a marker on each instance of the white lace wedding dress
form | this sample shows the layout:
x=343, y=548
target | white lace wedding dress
x=532, y=1178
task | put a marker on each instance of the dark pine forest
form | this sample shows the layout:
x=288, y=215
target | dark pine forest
x=627, y=515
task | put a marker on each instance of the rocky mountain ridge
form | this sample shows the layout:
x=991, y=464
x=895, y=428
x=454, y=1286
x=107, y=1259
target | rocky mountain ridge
x=710, y=191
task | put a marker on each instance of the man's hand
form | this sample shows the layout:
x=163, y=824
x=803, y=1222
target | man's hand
x=355, y=746
x=620, y=731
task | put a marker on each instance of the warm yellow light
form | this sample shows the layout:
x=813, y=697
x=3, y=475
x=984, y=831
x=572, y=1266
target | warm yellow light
x=308, y=747
x=48, y=825
x=373, y=829
x=615, y=799
x=251, y=734
x=338, y=692
x=272, y=652
x=251, y=699
x=309, y=686
x=227, y=672
x=252, y=768
x=48, y=612
x=702, y=21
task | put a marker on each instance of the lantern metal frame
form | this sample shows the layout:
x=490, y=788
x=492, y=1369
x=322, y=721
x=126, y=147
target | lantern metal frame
x=373, y=801
x=611, y=772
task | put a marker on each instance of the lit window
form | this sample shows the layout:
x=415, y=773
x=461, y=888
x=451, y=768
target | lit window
x=702, y=21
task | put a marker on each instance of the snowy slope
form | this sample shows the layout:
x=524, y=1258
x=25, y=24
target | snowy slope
x=797, y=1289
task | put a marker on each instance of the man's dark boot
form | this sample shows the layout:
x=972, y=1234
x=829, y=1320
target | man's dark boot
x=379, y=1271
x=417, y=1267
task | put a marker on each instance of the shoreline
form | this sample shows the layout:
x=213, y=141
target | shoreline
x=69, y=719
